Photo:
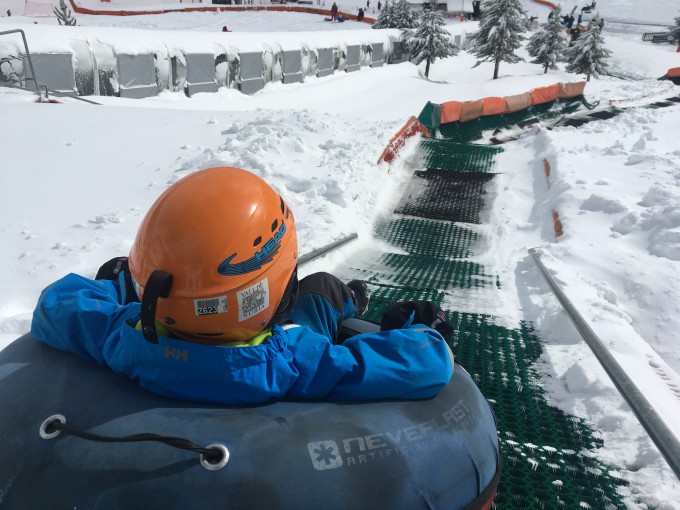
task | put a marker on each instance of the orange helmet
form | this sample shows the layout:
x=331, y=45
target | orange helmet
x=215, y=258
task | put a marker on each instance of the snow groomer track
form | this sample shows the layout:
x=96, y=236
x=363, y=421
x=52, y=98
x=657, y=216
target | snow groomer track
x=438, y=239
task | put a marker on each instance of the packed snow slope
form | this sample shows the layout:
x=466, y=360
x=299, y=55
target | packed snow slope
x=78, y=178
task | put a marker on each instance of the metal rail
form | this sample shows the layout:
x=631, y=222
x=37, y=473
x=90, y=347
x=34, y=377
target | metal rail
x=28, y=57
x=325, y=249
x=664, y=439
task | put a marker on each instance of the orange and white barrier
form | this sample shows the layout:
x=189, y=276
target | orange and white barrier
x=309, y=10
x=411, y=128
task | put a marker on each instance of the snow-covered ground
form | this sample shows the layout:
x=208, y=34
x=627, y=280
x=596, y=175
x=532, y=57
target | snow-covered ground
x=76, y=179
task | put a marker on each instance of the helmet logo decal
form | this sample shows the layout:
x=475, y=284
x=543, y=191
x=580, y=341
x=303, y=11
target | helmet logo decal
x=253, y=300
x=262, y=257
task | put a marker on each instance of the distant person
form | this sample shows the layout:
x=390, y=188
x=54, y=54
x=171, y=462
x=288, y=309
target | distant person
x=360, y=17
x=9, y=13
x=225, y=29
x=334, y=11
x=368, y=4
x=340, y=18
x=379, y=5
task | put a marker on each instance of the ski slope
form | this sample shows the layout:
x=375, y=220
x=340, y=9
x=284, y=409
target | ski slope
x=77, y=179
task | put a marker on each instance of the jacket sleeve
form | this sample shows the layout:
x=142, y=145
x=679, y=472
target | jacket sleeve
x=411, y=363
x=76, y=314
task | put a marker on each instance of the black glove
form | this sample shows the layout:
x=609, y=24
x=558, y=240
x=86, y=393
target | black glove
x=397, y=315
x=110, y=271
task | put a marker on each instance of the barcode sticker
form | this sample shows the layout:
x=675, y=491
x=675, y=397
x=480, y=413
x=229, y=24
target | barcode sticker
x=211, y=306
x=253, y=300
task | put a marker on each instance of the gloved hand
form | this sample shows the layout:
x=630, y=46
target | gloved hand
x=404, y=313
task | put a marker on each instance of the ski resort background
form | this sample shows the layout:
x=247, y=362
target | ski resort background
x=77, y=179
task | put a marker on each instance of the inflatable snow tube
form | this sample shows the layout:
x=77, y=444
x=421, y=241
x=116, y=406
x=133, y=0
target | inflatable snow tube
x=436, y=453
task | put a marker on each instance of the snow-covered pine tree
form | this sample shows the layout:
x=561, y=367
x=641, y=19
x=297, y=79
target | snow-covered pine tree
x=386, y=16
x=64, y=16
x=430, y=40
x=404, y=16
x=547, y=46
x=500, y=33
x=675, y=32
x=588, y=54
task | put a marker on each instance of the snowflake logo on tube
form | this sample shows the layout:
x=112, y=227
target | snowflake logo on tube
x=325, y=455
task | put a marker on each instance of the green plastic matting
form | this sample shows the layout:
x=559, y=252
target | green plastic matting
x=548, y=458
x=445, y=195
x=448, y=155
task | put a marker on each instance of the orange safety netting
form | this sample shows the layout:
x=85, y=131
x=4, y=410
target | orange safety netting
x=451, y=111
x=493, y=105
x=542, y=95
x=568, y=90
x=471, y=110
x=517, y=102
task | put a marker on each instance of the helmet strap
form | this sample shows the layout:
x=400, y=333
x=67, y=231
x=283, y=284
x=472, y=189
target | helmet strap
x=158, y=285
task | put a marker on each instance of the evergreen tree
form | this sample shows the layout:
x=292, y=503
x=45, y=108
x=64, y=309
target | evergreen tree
x=396, y=14
x=675, y=32
x=404, y=17
x=500, y=33
x=64, y=16
x=588, y=55
x=547, y=46
x=430, y=40
x=386, y=16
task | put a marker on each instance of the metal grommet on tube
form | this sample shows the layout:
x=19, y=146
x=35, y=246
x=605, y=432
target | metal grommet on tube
x=212, y=465
x=47, y=428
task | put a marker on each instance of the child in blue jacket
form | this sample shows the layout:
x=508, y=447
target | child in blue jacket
x=211, y=309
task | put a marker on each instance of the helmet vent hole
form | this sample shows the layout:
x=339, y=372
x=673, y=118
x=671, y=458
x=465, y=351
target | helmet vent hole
x=257, y=241
x=274, y=225
x=287, y=212
x=282, y=205
x=169, y=321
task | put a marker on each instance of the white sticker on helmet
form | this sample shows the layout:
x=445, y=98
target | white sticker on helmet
x=211, y=306
x=253, y=300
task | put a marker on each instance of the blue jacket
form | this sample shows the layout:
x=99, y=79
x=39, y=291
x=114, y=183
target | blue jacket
x=86, y=317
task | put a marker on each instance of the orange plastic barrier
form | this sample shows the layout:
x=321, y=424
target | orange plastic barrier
x=542, y=95
x=493, y=105
x=544, y=2
x=308, y=10
x=411, y=128
x=571, y=89
x=471, y=110
x=517, y=102
x=451, y=111
x=674, y=73
x=558, y=224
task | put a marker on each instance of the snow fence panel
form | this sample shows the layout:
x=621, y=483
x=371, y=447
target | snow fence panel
x=200, y=73
x=493, y=106
x=252, y=78
x=568, y=90
x=85, y=67
x=451, y=111
x=292, y=66
x=471, y=110
x=136, y=75
x=541, y=95
x=325, y=64
x=353, y=54
x=377, y=54
x=431, y=115
x=398, y=55
x=52, y=69
x=517, y=102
